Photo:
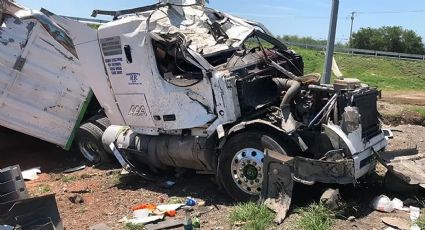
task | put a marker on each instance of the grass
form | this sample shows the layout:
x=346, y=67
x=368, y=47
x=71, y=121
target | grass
x=68, y=178
x=315, y=217
x=252, y=216
x=421, y=221
x=130, y=226
x=421, y=111
x=384, y=73
x=43, y=189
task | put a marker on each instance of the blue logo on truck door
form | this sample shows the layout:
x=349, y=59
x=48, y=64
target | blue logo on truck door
x=134, y=79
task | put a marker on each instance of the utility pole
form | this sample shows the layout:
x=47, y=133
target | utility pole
x=331, y=43
x=351, y=28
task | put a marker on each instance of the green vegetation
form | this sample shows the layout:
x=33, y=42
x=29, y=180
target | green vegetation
x=307, y=40
x=43, y=189
x=389, y=38
x=421, y=111
x=252, y=216
x=421, y=221
x=94, y=26
x=68, y=178
x=315, y=217
x=130, y=226
x=387, y=74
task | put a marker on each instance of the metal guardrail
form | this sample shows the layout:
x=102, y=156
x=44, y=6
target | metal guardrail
x=362, y=52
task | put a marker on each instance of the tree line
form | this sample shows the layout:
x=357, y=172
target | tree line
x=387, y=38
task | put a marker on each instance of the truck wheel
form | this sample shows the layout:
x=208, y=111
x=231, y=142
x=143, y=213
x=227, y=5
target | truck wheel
x=100, y=121
x=89, y=143
x=240, y=167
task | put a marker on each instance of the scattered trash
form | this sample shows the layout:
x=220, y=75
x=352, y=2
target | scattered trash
x=165, y=225
x=175, y=200
x=167, y=184
x=201, y=203
x=100, y=226
x=150, y=207
x=351, y=218
x=398, y=205
x=171, y=213
x=75, y=169
x=168, y=207
x=190, y=202
x=187, y=223
x=415, y=212
x=331, y=198
x=76, y=199
x=141, y=213
x=382, y=203
x=396, y=222
x=144, y=220
x=31, y=174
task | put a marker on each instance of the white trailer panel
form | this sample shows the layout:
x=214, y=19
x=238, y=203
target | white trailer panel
x=42, y=92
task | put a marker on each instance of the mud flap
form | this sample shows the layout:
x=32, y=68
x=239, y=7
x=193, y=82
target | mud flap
x=277, y=184
x=407, y=164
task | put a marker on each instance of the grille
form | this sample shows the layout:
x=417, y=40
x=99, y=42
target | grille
x=366, y=101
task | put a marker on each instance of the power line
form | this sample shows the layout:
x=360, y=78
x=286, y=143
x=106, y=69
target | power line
x=391, y=12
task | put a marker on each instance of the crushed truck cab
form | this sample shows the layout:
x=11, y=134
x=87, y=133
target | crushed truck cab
x=186, y=86
x=192, y=87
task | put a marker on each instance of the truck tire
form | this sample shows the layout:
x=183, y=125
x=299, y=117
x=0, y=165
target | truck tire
x=100, y=121
x=89, y=143
x=240, y=168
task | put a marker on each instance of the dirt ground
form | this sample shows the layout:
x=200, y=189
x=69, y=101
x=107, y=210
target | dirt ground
x=107, y=198
x=411, y=98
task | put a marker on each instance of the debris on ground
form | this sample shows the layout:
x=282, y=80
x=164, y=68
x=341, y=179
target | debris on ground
x=165, y=225
x=382, y=203
x=396, y=222
x=190, y=202
x=31, y=174
x=74, y=169
x=18, y=209
x=332, y=199
x=76, y=199
x=351, y=218
x=100, y=226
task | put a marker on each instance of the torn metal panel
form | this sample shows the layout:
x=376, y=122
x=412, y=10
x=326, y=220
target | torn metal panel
x=406, y=164
x=41, y=88
x=277, y=184
x=309, y=171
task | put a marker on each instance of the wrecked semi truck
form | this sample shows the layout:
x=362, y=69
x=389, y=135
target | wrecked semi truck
x=186, y=86
x=42, y=88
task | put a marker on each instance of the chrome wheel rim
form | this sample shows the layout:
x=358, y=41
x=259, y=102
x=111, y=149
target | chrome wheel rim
x=89, y=150
x=247, y=170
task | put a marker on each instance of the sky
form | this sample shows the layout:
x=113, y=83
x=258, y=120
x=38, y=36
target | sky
x=282, y=17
